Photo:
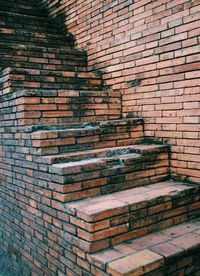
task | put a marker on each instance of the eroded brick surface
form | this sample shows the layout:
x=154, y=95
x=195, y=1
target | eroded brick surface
x=65, y=138
x=149, y=50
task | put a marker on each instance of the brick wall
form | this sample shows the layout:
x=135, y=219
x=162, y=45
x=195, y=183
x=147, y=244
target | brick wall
x=150, y=51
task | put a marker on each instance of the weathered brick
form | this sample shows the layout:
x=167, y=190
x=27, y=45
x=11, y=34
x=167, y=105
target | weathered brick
x=149, y=52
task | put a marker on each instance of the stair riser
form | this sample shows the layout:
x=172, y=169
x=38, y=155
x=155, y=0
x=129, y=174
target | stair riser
x=134, y=221
x=52, y=64
x=29, y=26
x=35, y=49
x=87, y=140
x=34, y=79
x=56, y=59
x=22, y=8
x=57, y=108
x=39, y=25
x=41, y=59
x=97, y=179
x=28, y=23
x=19, y=3
x=7, y=33
x=68, y=83
x=31, y=40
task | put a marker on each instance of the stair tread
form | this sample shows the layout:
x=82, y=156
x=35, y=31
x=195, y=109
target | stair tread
x=37, y=48
x=57, y=38
x=59, y=73
x=98, y=152
x=96, y=155
x=87, y=136
x=84, y=126
x=92, y=209
x=27, y=32
x=43, y=92
x=92, y=160
x=144, y=254
x=17, y=13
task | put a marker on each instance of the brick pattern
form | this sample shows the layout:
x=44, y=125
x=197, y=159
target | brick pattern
x=150, y=51
x=13, y=79
x=54, y=150
x=88, y=136
x=154, y=254
x=58, y=107
x=132, y=213
x=96, y=176
x=42, y=45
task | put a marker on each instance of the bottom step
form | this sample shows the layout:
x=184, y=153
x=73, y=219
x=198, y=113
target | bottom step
x=172, y=251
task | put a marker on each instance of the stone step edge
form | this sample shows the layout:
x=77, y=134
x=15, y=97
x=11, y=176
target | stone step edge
x=28, y=16
x=38, y=131
x=104, y=223
x=92, y=209
x=103, y=162
x=55, y=73
x=46, y=93
x=150, y=252
x=33, y=34
x=35, y=48
x=140, y=149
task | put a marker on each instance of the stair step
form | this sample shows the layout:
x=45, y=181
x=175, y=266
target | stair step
x=160, y=253
x=27, y=36
x=15, y=16
x=26, y=56
x=39, y=51
x=37, y=109
x=105, y=175
x=28, y=60
x=111, y=219
x=39, y=41
x=89, y=136
x=21, y=8
x=34, y=34
x=13, y=79
x=29, y=22
x=102, y=152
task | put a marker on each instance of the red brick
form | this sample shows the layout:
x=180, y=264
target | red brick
x=138, y=263
x=147, y=241
x=167, y=250
x=187, y=241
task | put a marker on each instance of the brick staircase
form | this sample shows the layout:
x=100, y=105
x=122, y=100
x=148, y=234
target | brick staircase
x=91, y=190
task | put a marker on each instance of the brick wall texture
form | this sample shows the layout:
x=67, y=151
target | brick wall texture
x=149, y=50
x=98, y=120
